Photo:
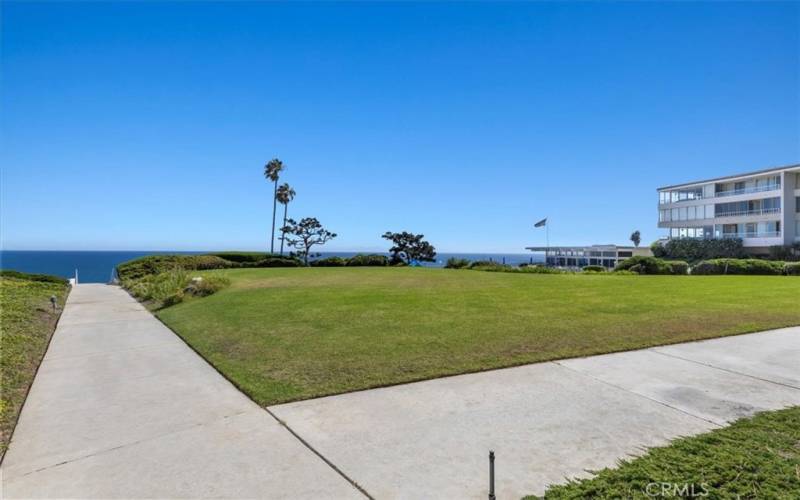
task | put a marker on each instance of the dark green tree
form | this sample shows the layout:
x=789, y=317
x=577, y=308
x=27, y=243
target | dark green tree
x=284, y=195
x=305, y=234
x=272, y=171
x=636, y=237
x=407, y=247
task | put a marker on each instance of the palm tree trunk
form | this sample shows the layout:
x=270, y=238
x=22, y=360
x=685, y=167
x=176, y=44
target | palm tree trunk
x=283, y=233
x=274, y=210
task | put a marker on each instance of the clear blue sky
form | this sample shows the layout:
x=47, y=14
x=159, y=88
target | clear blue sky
x=143, y=125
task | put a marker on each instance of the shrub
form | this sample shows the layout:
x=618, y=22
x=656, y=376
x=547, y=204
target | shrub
x=678, y=267
x=276, y=262
x=171, y=287
x=208, y=285
x=791, y=269
x=241, y=257
x=155, y=264
x=456, y=263
x=368, y=260
x=8, y=273
x=738, y=266
x=594, y=269
x=482, y=263
x=785, y=252
x=541, y=270
x=329, y=262
x=694, y=250
x=644, y=265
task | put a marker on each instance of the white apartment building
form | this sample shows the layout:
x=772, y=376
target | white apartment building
x=762, y=208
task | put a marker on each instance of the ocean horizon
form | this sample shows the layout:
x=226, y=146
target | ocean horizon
x=97, y=266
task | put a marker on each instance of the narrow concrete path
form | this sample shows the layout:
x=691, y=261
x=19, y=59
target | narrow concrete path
x=548, y=421
x=122, y=408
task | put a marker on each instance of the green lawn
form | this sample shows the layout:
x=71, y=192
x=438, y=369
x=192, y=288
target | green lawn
x=26, y=323
x=756, y=457
x=289, y=334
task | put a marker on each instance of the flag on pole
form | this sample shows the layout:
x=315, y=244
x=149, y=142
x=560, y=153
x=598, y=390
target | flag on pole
x=541, y=223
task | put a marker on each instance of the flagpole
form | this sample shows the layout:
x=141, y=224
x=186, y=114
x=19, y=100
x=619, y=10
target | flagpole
x=547, y=233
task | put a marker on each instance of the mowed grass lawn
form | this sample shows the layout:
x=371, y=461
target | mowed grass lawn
x=289, y=334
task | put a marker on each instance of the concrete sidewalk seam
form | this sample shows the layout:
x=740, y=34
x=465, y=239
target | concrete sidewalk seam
x=320, y=455
x=655, y=350
x=14, y=477
x=717, y=424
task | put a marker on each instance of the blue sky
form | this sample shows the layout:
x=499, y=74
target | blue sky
x=144, y=125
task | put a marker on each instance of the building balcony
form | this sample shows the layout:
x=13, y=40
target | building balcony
x=745, y=213
x=741, y=236
x=750, y=190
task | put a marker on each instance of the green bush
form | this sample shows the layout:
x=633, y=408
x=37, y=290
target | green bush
x=594, y=269
x=8, y=273
x=644, y=265
x=276, y=262
x=482, y=263
x=540, y=270
x=456, y=263
x=791, y=269
x=171, y=287
x=785, y=252
x=368, y=260
x=678, y=267
x=739, y=266
x=329, y=262
x=694, y=250
x=242, y=257
x=155, y=264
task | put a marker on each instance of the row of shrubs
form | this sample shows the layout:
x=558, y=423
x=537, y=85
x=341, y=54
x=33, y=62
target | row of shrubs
x=156, y=264
x=652, y=265
x=648, y=265
x=356, y=260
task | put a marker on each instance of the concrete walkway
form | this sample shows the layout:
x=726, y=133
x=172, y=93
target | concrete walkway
x=546, y=421
x=122, y=408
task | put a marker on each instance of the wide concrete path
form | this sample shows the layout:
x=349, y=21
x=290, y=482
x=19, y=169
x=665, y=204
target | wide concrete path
x=122, y=408
x=546, y=421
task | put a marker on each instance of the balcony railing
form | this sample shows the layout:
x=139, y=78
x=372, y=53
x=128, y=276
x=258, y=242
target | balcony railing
x=757, y=189
x=766, y=234
x=763, y=211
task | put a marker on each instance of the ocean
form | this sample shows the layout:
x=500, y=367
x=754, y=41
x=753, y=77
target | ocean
x=98, y=266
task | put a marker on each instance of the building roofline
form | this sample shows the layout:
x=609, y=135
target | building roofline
x=580, y=247
x=736, y=176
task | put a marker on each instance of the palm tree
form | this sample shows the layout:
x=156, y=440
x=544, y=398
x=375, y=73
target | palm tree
x=272, y=171
x=284, y=196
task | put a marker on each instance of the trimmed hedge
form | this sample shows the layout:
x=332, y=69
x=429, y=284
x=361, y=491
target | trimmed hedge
x=8, y=273
x=329, y=262
x=276, y=262
x=678, y=267
x=739, y=266
x=791, y=269
x=242, y=257
x=155, y=264
x=368, y=260
x=644, y=265
x=694, y=250
x=456, y=263
x=594, y=269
